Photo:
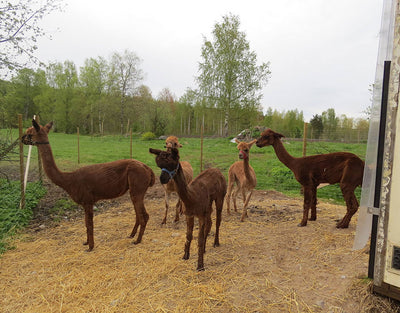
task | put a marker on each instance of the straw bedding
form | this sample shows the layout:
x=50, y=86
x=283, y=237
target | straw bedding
x=265, y=264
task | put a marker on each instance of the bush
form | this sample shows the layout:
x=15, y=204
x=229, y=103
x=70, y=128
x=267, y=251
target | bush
x=148, y=136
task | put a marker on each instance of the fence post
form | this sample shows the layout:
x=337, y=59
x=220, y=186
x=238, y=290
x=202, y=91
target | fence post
x=21, y=163
x=77, y=132
x=305, y=140
x=39, y=158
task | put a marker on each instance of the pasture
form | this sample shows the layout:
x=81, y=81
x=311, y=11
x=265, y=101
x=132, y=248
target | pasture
x=265, y=264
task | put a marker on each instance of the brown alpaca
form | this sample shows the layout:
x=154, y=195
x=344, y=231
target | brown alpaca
x=344, y=168
x=244, y=176
x=198, y=196
x=95, y=182
x=170, y=187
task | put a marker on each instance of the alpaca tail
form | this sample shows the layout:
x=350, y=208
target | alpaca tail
x=152, y=178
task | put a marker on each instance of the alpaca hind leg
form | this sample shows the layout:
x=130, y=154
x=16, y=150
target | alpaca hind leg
x=189, y=236
x=166, y=198
x=201, y=243
x=219, y=203
x=141, y=220
x=351, y=203
x=313, y=216
x=246, y=203
x=207, y=230
x=178, y=210
x=89, y=226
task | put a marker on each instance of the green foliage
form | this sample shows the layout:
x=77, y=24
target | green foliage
x=148, y=136
x=12, y=218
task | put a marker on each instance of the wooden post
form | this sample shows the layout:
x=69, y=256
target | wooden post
x=21, y=162
x=130, y=154
x=305, y=140
x=40, y=167
x=201, y=149
x=79, y=158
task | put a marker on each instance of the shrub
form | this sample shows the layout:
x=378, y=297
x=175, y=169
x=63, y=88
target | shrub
x=148, y=136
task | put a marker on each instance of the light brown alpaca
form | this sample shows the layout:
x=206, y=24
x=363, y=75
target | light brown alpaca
x=198, y=196
x=344, y=168
x=170, y=187
x=91, y=183
x=244, y=176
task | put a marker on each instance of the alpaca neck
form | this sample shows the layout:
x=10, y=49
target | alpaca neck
x=49, y=165
x=283, y=155
x=246, y=168
x=184, y=192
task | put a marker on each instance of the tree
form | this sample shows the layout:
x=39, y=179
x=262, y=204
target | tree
x=125, y=75
x=20, y=29
x=229, y=76
x=330, y=122
x=317, y=127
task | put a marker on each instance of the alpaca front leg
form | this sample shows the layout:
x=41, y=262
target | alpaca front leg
x=178, y=210
x=166, y=198
x=189, y=236
x=89, y=227
x=313, y=216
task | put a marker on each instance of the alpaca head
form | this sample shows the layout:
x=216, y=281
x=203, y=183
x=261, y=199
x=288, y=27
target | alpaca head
x=172, y=142
x=267, y=138
x=36, y=134
x=244, y=148
x=168, y=161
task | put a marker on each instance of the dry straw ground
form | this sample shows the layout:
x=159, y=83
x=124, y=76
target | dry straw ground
x=265, y=264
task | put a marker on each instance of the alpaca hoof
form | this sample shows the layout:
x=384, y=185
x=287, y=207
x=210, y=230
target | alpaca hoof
x=163, y=222
x=216, y=244
x=342, y=225
x=312, y=219
x=200, y=269
x=89, y=249
x=136, y=242
x=185, y=257
x=301, y=225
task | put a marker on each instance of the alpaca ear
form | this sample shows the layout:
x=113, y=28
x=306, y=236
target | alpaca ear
x=154, y=151
x=278, y=135
x=252, y=143
x=35, y=125
x=48, y=126
x=237, y=141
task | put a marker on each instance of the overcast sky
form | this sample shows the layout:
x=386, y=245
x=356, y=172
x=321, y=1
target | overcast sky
x=322, y=53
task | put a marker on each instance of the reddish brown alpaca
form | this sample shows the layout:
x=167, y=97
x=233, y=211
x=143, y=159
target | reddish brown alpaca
x=244, y=176
x=91, y=183
x=198, y=196
x=170, y=187
x=344, y=168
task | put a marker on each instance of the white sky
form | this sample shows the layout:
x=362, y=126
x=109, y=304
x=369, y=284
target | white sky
x=322, y=53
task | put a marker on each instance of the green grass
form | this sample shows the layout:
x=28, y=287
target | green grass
x=217, y=152
x=12, y=218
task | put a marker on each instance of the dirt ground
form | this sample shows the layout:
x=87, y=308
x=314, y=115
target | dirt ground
x=265, y=264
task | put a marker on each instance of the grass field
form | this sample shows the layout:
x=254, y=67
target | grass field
x=217, y=152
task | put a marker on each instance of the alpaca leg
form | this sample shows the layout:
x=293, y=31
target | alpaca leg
x=207, y=230
x=166, y=198
x=141, y=219
x=246, y=203
x=89, y=226
x=351, y=203
x=313, y=216
x=189, y=236
x=178, y=210
x=306, y=205
x=201, y=241
x=219, y=203
x=237, y=190
x=229, y=194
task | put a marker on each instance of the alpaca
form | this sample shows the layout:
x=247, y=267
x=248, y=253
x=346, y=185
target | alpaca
x=170, y=187
x=197, y=197
x=243, y=175
x=344, y=168
x=95, y=182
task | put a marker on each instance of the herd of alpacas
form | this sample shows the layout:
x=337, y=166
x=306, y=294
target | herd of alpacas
x=92, y=183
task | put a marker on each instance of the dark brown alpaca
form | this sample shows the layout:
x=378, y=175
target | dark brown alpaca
x=170, y=187
x=244, y=176
x=198, y=196
x=344, y=168
x=91, y=183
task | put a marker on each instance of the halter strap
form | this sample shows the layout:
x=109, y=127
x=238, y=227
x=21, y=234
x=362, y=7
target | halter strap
x=171, y=173
x=245, y=154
